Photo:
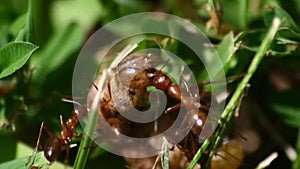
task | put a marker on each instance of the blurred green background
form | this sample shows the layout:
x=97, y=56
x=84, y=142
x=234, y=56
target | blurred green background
x=57, y=29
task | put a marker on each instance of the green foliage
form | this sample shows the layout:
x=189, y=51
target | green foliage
x=14, y=55
x=16, y=164
x=289, y=28
x=39, y=43
x=288, y=109
x=239, y=18
x=58, y=49
x=225, y=52
x=85, y=13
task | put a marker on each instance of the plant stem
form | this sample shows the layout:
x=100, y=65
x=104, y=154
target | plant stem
x=199, y=153
x=212, y=4
x=296, y=162
x=231, y=106
x=91, y=125
x=264, y=47
x=165, y=154
x=28, y=27
x=243, y=18
x=84, y=149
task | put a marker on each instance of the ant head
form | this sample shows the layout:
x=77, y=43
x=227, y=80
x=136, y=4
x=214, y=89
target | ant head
x=161, y=81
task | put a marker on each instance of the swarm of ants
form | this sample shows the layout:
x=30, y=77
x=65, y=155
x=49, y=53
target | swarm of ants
x=141, y=76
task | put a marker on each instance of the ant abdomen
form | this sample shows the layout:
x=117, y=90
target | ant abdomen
x=52, y=149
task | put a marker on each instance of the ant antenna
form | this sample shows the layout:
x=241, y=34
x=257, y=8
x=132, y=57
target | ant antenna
x=241, y=136
x=37, y=145
x=233, y=156
x=61, y=120
x=165, y=64
x=164, y=52
x=70, y=101
x=96, y=87
x=183, y=80
x=217, y=154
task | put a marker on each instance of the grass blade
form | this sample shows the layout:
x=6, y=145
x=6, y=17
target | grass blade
x=229, y=110
x=86, y=142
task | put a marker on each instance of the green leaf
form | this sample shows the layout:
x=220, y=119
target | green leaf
x=18, y=155
x=226, y=50
x=58, y=49
x=288, y=28
x=225, y=53
x=287, y=41
x=19, y=163
x=286, y=105
x=14, y=55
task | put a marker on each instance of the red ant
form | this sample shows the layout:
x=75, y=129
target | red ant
x=134, y=70
x=163, y=82
x=55, y=143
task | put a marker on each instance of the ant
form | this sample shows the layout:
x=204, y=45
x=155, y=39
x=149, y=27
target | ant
x=55, y=143
x=115, y=93
x=130, y=79
x=136, y=67
x=163, y=82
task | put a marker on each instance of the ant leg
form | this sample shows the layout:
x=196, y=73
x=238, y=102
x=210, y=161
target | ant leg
x=173, y=108
x=78, y=135
x=65, y=131
x=155, y=165
x=183, y=80
x=62, y=122
x=50, y=133
x=67, y=154
x=37, y=145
